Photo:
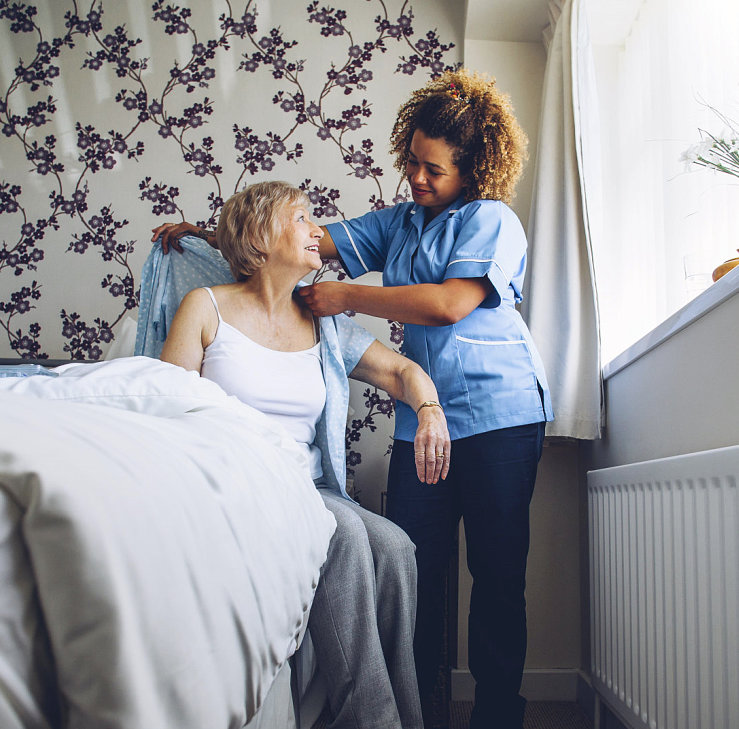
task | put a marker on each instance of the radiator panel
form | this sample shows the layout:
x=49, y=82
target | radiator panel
x=664, y=590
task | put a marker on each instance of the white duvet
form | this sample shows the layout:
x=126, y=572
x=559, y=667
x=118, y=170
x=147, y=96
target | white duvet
x=169, y=535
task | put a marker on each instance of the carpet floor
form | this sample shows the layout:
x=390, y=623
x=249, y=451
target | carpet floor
x=539, y=715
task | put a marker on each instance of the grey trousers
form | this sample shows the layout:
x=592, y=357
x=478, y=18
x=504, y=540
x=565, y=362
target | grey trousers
x=362, y=621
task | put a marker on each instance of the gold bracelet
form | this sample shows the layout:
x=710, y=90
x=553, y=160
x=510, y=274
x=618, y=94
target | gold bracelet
x=428, y=404
x=204, y=234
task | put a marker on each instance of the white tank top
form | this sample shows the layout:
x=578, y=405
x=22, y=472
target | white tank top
x=288, y=387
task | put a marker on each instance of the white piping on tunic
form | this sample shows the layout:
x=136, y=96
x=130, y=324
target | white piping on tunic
x=471, y=260
x=478, y=260
x=351, y=240
x=488, y=342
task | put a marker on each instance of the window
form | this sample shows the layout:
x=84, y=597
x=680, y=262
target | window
x=661, y=66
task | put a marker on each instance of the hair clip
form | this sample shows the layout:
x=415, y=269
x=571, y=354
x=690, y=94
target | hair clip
x=454, y=93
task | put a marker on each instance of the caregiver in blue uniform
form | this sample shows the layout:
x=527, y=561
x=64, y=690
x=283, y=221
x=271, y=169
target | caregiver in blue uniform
x=453, y=264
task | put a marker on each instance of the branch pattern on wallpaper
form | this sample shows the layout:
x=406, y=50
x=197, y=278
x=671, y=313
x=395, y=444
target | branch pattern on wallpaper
x=101, y=229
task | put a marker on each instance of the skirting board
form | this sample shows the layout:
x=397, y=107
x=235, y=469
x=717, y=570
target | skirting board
x=539, y=684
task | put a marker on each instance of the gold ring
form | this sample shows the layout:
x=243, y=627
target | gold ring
x=440, y=455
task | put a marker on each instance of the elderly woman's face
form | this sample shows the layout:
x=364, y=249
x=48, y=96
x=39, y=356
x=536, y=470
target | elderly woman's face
x=298, y=244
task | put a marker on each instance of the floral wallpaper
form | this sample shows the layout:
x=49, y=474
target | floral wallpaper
x=118, y=116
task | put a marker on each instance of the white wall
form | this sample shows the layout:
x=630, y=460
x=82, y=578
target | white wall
x=518, y=69
x=679, y=397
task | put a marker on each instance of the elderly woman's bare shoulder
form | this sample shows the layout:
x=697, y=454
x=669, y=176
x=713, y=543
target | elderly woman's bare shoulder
x=220, y=291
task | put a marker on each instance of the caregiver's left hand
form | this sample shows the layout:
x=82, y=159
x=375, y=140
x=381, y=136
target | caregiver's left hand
x=327, y=298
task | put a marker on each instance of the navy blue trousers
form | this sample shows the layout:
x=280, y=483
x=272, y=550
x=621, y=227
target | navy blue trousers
x=490, y=484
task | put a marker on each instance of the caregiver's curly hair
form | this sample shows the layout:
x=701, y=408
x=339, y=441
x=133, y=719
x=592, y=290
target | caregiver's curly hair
x=467, y=110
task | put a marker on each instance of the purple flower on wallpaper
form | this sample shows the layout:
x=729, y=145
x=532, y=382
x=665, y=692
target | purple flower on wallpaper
x=175, y=19
x=385, y=407
x=25, y=345
x=258, y=153
x=322, y=198
x=396, y=332
x=376, y=405
x=161, y=195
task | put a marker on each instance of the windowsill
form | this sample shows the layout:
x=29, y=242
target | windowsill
x=718, y=292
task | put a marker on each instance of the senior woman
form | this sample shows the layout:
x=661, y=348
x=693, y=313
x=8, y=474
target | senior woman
x=255, y=339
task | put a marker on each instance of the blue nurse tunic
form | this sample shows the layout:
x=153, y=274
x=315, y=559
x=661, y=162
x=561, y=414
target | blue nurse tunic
x=485, y=367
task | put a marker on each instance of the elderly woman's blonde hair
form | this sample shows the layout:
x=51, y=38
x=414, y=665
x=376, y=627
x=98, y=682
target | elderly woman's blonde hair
x=251, y=221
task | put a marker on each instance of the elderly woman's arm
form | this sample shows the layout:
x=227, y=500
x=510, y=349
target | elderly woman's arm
x=406, y=381
x=186, y=339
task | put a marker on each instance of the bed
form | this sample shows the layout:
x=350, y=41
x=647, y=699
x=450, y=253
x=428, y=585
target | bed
x=160, y=544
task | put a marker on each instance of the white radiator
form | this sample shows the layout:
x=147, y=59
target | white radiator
x=664, y=590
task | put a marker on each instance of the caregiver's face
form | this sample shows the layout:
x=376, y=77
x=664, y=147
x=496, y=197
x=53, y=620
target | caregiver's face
x=434, y=178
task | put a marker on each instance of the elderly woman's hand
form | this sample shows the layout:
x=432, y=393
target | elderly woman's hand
x=406, y=380
x=172, y=232
x=432, y=445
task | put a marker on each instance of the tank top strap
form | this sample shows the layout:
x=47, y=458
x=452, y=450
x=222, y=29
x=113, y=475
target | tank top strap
x=213, y=299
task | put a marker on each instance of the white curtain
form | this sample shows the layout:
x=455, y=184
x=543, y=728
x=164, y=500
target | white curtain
x=560, y=305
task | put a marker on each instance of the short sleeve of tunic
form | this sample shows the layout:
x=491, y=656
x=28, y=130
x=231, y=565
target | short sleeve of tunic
x=363, y=242
x=489, y=241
